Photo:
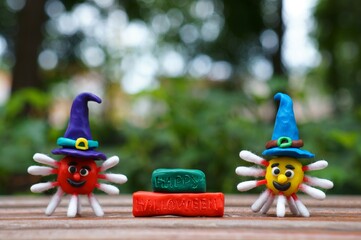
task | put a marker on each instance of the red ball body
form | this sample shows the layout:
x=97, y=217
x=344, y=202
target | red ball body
x=77, y=175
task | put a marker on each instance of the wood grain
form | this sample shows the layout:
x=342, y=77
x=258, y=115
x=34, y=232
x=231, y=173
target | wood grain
x=337, y=217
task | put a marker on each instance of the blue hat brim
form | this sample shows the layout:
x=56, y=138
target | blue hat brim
x=77, y=153
x=288, y=152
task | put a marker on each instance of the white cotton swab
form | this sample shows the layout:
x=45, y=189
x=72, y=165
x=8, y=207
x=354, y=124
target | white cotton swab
x=40, y=170
x=292, y=205
x=247, y=185
x=281, y=206
x=321, y=164
x=73, y=204
x=313, y=192
x=116, y=178
x=109, y=189
x=262, y=199
x=250, y=171
x=301, y=208
x=44, y=159
x=109, y=163
x=268, y=204
x=79, y=207
x=54, y=202
x=253, y=158
x=318, y=182
x=95, y=205
x=41, y=187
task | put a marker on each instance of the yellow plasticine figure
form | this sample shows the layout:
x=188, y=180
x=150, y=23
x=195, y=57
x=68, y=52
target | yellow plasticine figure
x=284, y=173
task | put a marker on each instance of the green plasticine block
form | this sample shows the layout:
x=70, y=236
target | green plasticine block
x=177, y=180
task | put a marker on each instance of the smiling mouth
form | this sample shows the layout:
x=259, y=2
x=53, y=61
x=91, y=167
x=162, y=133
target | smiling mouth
x=74, y=183
x=281, y=187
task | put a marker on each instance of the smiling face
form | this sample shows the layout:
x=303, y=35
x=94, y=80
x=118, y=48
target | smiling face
x=284, y=175
x=77, y=176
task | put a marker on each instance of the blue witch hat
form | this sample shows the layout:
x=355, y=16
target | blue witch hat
x=77, y=140
x=285, y=140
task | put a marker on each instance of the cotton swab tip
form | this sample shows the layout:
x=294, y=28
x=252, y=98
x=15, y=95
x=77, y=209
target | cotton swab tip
x=313, y=192
x=109, y=163
x=321, y=164
x=281, y=206
x=40, y=170
x=116, y=178
x=319, y=182
x=250, y=171
x=44, y=159
x=247, y=185
x=253, y=158
x=109, y=189
x=41, y=187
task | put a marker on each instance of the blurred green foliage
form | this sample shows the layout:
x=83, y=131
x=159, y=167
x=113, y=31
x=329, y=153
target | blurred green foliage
x=201, y=127
x=20, y=138
x=193, y=126
x=197, y=123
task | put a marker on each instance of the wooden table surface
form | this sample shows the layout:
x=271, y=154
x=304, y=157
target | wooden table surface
x=336, y=217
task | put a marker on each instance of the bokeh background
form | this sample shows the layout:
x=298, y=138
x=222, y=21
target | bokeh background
x=184, y=84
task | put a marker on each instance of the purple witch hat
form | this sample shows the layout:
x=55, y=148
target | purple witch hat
x=77, y=140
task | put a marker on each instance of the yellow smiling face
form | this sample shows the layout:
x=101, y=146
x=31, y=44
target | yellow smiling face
x=284, y=174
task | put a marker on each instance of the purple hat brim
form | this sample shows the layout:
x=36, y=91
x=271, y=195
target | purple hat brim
x=77, y=153
x=288, y=152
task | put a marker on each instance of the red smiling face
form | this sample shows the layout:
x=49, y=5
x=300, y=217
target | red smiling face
x=77, y=175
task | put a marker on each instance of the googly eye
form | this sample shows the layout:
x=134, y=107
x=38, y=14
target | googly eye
x=289, y=173
x=275, y=171
x=72, y=169
x=84, y=172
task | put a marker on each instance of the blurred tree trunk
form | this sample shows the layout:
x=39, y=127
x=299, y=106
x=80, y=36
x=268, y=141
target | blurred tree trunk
x=278, y=68
x=28, y=40
x=280, y=74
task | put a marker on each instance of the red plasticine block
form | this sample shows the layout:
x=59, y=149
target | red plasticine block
x=146, y=204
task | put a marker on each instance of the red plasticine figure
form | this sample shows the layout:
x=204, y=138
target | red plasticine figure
x=284, y=174
x=77, y=173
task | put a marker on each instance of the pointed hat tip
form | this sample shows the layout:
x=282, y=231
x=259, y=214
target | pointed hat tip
x=282, y=97
x=278, y=96
x=86, y=96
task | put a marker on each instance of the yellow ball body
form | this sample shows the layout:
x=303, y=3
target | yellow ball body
x=284, y=175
